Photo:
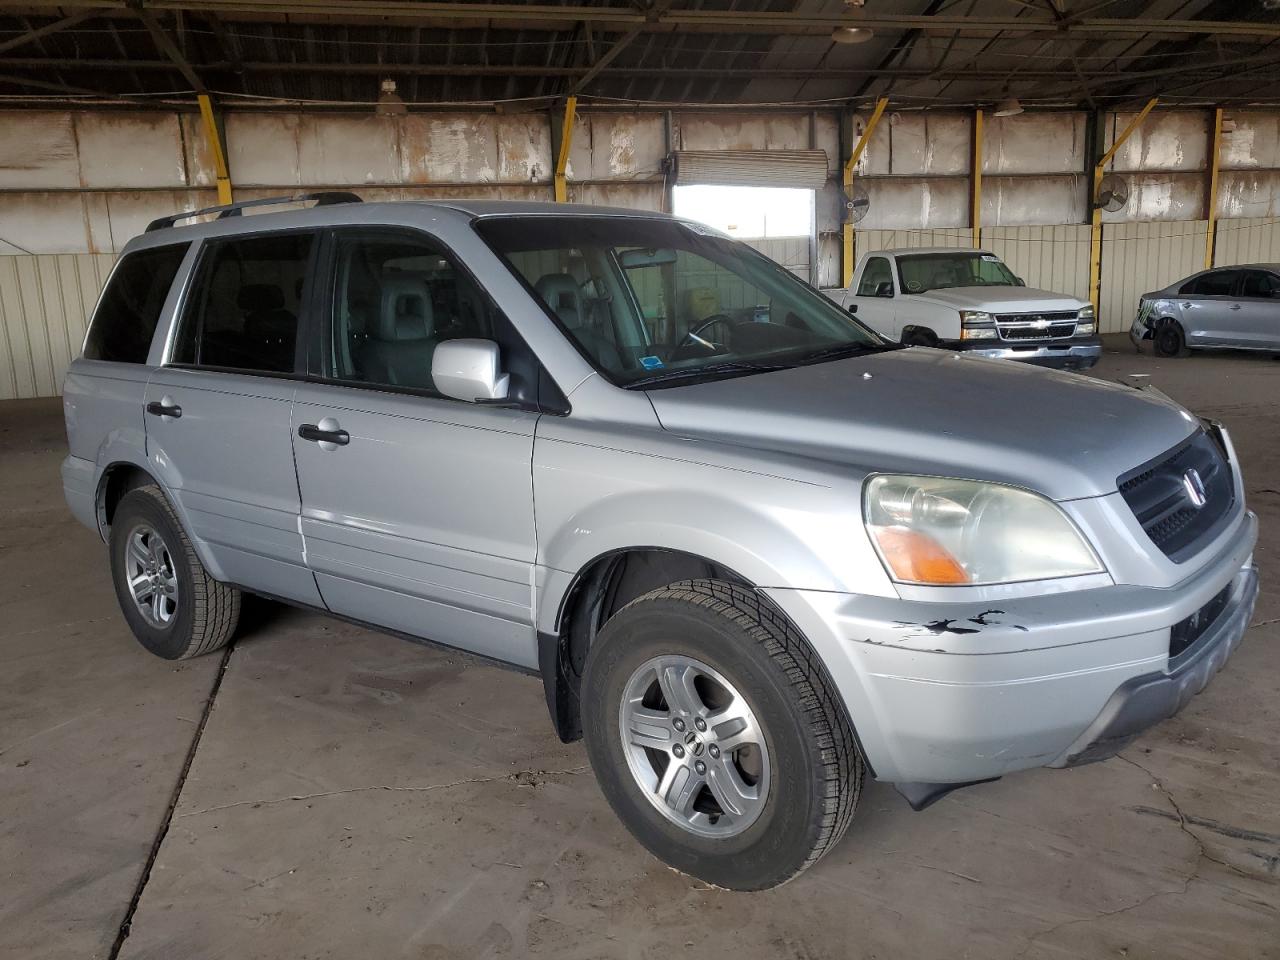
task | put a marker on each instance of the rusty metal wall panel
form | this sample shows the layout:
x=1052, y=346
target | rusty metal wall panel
x=38, y=151
x=262, y=148
x=1252, y=240
x=475, y=148
x=617, y=146
x=1166, y=140
x=1033, y=201
x=348, y=150
x=737, y=131
x=1162, y=196
x=122, y=150
x=1054, y=258
x=1034, y=143
x=1140, y=257
x=1250, y=140
x=635, y=196
x=916, y=203
x=1249, y=193
x=45, y=302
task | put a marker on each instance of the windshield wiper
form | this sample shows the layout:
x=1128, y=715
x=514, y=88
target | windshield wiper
x=843, y=350
x=727, y=367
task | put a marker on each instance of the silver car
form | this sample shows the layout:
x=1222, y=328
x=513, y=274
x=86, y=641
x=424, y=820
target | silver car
x=1228, y=307
x=754, y=552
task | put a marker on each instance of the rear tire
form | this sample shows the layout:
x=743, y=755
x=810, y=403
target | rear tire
x=797, y=779
x=175, y=609
x=1168, y=340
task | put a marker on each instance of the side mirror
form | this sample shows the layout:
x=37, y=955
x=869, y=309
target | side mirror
x=1019, y=282
x=469, y=370
x=852, y=308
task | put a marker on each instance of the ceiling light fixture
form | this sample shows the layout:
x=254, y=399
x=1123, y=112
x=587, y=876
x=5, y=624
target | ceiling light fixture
x=1008, y=107
x=851, y=34
x=389, y=102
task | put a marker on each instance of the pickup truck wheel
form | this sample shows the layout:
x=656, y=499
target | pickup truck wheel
x=1168, y=340
x=717, y=737
x=175, y=609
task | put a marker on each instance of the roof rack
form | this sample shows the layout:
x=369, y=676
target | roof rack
x=322, y=199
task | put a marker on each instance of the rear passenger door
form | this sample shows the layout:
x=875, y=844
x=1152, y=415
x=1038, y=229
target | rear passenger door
x=1210, y=312
x=417, y=509
x=218, y=412
x=1259, y=313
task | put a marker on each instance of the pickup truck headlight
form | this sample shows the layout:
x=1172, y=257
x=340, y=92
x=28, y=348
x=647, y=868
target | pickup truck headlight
x=937, y=531
x=976, y=325
x=1085, y=321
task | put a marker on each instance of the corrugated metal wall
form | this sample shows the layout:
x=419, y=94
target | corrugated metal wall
x=75, y=185
x=44, y=304
x=1139, y=257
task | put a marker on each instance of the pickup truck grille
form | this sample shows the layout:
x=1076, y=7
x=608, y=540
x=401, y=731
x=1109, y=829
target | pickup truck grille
x=1055, y=325
x=1177, y=510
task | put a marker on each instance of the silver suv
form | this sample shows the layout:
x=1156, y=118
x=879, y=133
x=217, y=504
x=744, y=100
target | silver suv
x=754, y=551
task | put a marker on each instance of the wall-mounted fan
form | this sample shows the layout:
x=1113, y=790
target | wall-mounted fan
x=1113, y=193
x=856, y=204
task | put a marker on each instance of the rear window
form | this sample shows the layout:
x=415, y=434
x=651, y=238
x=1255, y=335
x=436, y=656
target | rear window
x=129, y=310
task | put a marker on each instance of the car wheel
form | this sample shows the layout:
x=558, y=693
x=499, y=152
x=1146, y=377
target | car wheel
x=175, y=609
x=717, y=737
x=1168, y=340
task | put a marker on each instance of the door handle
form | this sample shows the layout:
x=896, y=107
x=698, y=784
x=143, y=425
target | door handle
x=164, y=408
x=1185, y=305
x=1235, y=306
x=326, y=431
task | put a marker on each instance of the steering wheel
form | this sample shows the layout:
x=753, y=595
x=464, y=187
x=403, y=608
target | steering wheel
x=694, y=336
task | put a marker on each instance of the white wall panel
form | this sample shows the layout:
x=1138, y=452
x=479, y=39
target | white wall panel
x=868, y=241
x=38, y=151
x=1140, y=257
x=1256, y=240
x=1052, y=258
x=142, y=150
x=614, y=146
x=45, y=302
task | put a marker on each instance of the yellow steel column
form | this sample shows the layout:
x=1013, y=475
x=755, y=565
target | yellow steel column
x=1095, y=234
x=215, y=145
x=566, y=140
x=1212, y=201
x=846, y=271
x=975, y=217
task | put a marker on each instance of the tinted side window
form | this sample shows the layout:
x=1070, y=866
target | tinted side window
x=243, y=310
x=394, y=300
x=129, y=311
x=1216, y=284
x=877, y=279
x=1260, y=285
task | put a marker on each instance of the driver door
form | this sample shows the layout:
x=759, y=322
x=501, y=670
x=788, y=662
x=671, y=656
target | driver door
x=874, y=295
x=417, y=509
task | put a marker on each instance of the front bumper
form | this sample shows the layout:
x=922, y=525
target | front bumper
x=1144, y=701
x=1078, y=353
x=956, y=692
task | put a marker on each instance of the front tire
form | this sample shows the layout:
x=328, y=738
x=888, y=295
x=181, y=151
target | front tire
x=1168, y=340
x=716, y=737
x=175, y=609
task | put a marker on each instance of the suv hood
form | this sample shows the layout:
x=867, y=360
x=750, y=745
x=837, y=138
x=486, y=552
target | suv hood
x=999, y=299
x=927, y=411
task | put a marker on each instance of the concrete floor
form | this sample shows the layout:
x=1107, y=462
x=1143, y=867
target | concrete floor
x=353, y=795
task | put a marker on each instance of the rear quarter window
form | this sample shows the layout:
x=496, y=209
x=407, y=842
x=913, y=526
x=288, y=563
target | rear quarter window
x=129, y=310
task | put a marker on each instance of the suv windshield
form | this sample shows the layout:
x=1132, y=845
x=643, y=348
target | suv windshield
x=650, y=300
x=919, y=272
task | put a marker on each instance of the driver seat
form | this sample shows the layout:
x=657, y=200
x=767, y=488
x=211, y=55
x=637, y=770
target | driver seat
x=562, y=294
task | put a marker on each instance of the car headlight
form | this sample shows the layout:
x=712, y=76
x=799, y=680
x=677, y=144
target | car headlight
x=1086, y=312
x=932, y=530
x=1084, y=329
x=976, y=325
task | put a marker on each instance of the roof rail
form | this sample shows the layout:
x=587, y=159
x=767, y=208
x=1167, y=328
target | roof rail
x=322, y=199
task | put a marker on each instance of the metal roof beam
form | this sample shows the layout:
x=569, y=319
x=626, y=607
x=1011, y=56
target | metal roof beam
x=47, y=29
x=714, y=21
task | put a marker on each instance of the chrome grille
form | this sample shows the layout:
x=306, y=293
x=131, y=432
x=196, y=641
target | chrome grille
x=1053, y=325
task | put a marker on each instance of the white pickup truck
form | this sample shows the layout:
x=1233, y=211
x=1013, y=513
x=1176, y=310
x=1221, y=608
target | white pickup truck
x=965, y=299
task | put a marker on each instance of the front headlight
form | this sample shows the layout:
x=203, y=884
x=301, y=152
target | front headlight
x=976, y=325
x=1084, y=329
x=1086, y=312
x=936, y=531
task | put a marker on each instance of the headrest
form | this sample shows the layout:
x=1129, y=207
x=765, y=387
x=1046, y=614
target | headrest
x=562, y=294
x=257, y=297
x=406, y=309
